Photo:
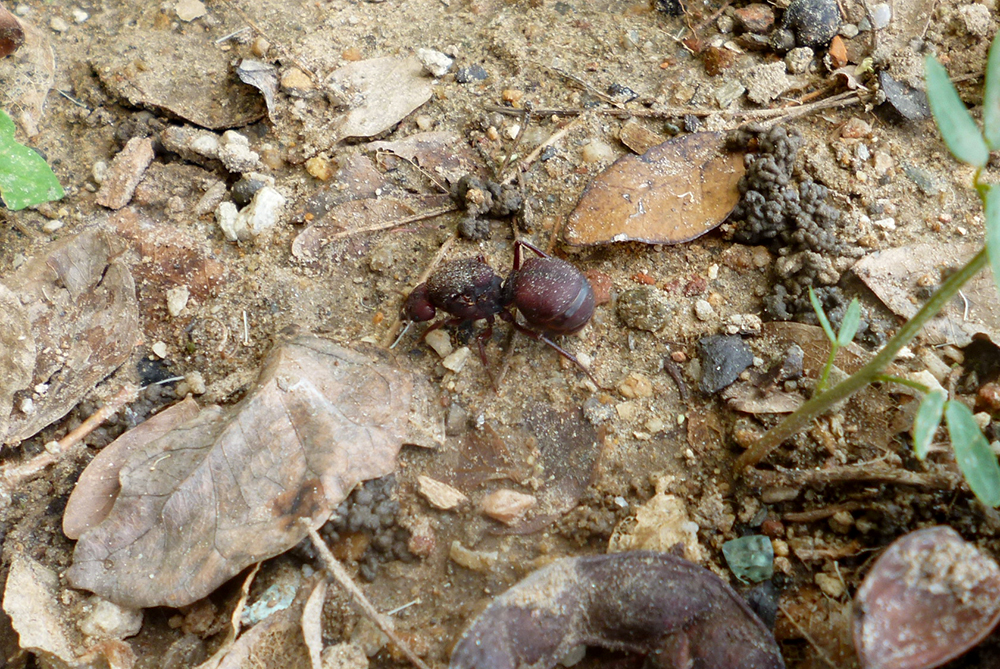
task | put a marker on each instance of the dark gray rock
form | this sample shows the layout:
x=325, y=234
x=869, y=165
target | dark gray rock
x=723, y=358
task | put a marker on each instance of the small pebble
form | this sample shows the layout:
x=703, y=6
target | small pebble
x=440, y=495
x=814, y=22
x=596, y=151
x=260, y=46
x=435, y=62
x=159, y=349
x=457, y=359
x=644, y=308
x=798, y=60
x=440, y=342
x=882, y=15
x=471, y=74
x=177, y=299
x=703, y=311
x=470, y=559
x=189, y=10
x=508, y=506
x=831, y=586
x=58, y=25
x=79, y=16
x=723, y=359
x=104, y=620
x=320, y=168
x=635, y=386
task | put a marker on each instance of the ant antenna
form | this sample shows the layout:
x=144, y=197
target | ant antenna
x=402, y=334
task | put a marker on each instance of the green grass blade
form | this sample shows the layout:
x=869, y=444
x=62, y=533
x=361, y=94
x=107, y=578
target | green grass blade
x=957, y=128
x=992, y=206
x=849, y=324
x=821, y=315
x=25, y=177
x=926, y=422
x=991, y=97
x=973, y=454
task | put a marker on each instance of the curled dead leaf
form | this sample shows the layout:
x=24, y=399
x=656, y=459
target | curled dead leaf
x=11, y=33
x=225, y=489
x=674, y=192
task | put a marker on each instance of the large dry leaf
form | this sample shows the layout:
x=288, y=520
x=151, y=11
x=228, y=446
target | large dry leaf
x=673, y=193
x=84, y=322
x=181, y=73
x=381, y=92
x=896, y=276
x=226, y=489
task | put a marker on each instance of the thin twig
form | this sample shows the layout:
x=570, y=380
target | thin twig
x=862, y=472
x=840, y=100
x=390, y=335
x=523, y=165
x=12, y=476
x=424, y=215
x=340, y=575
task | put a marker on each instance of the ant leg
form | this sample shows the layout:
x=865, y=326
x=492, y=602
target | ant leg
x=485, y=336
x=517, y=252
x=538, y=336
x=440, y=324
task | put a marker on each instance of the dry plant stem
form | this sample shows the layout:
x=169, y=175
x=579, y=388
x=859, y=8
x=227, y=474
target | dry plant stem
x=820, y=404
x=10, y=477
x=430, y=213
x=340, y=575
x=523, y=165
x=840, y=100
x=863, y=472
x=393, y=330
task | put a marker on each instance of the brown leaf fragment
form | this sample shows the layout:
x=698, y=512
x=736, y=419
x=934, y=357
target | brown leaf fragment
x=638, y=137
x=445, y=154
x=17, y=352
x=381, y=92
x=903, y=278
x=674, y=192
x=181, y=73
x=11, y=33
x=80, y=300
x=352, y=215
x=639, y=602
x=98, y=486
x=28, y=78
x=125, y=172
x=225, y=489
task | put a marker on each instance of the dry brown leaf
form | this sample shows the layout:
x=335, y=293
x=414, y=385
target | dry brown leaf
x=352, y=215
x=445, y=154
x=96, y=490
x=673, y=193
x=896, y=277
x=312, y=623
x=381, y=93
x=225, y=490
x=182, y=73
x=80, y=301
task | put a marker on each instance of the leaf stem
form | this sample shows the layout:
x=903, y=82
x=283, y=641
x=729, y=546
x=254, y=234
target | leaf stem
x=820, y=404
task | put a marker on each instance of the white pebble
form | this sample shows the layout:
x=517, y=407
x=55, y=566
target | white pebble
x=597, y=151
x=456, y=361
x=440, y=342
x=177, y=299
x=159, y=349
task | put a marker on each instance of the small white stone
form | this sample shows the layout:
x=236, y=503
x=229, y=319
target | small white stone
x=177, y=299
x=59, y=25
x=189, y=10
x=261, y=214
x=457, y=359
x=52, y=226
x=159, y=349
x=713, y=272
x=435, y=62
x=440, y=342
x=196, y=383
x=79, y=15
x=440, y=495
x=703, y=311
x=235, y=153
x=99, y=171
x=597, y=151
x=109, y=621
x=470, y=559
x=227, y=215
x=885, y=223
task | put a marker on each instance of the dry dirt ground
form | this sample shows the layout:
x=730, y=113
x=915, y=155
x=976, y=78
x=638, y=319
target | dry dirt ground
x=593, y=455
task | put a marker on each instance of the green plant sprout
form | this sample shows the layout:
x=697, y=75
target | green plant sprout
x=848, y=328
x=973, y=454
x=25, y=178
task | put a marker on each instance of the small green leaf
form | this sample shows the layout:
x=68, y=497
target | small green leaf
x=993, y=230
x=957, y=128
x=973, y=453
x=926, y=422
x=821, y=315
x=991, y=97
x=25, y=177
x=849, y=324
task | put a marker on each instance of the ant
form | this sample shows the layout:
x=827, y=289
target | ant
x=554, y=297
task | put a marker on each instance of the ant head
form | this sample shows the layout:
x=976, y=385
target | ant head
x=418, y=306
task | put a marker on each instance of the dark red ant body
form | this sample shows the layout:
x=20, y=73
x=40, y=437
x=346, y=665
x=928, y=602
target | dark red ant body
x=554, y=297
